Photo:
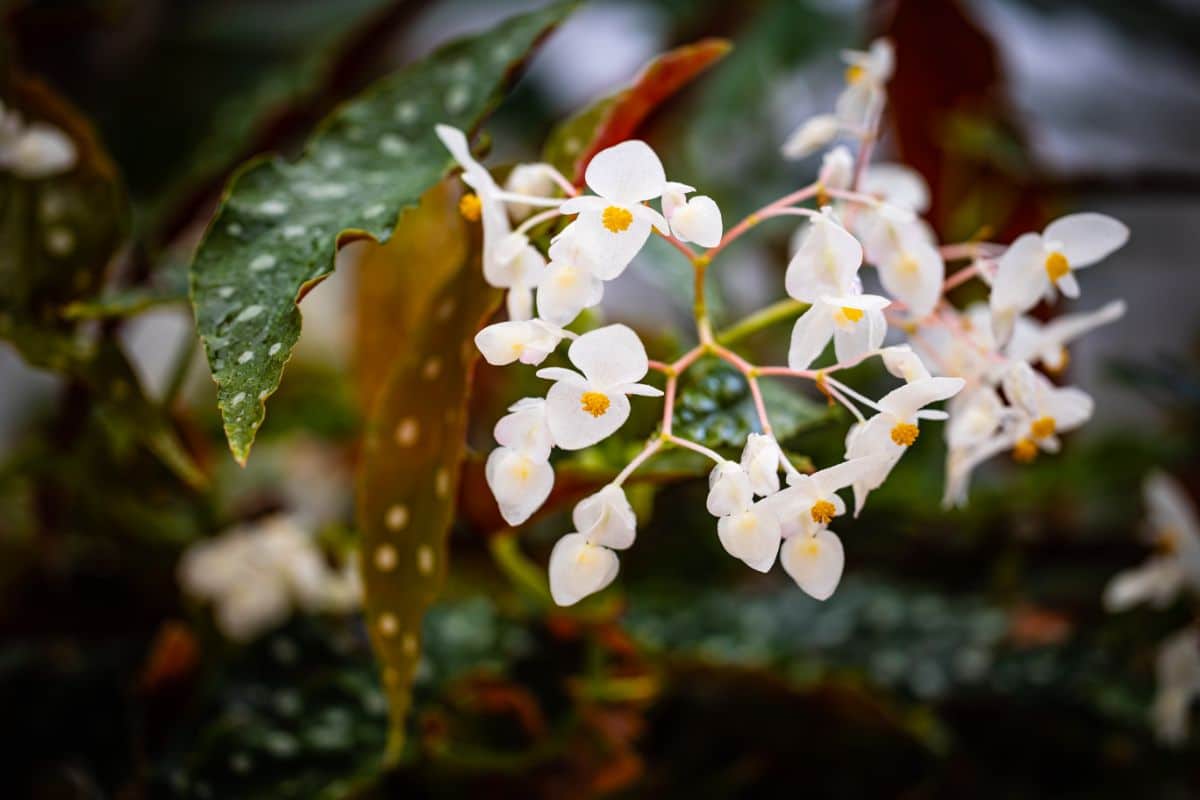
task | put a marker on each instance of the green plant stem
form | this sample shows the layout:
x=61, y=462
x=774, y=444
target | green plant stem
x=527, y=576
x=763, y=318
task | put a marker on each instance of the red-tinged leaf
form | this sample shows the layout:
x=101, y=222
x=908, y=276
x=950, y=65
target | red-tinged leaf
x=617, y=117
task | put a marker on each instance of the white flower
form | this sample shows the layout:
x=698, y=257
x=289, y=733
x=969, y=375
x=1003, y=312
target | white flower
x=1036, y=263
x=525, y=429
x=570, y=283
x=583, y=409
x=837, y=169
x=1178, y=673
x=528, y=341
x=812, y=135
x=826, y=262
x=901, y=361
x=1033, y=342
x=810, y=502
x=897, y=185
x=1175, y=530
x=854, y=322
x=1046, y=409
x=697, y=220
x=578, y=568
x=519, y=481
x=729, y=490
x=531, y=180
x=894, y=429
x=761, y=460
x=752, y=535
x=255, y=574
x=910, y=266
x=866, y=75
x=815, y=562
x=614, y=224
x=34, y=151
x=974, y=416
x=606, y=518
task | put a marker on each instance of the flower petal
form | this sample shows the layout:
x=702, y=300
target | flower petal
x=610, y=356
x=903, y=403
x=629, y=172
x=525, y=429
x=729, y=490
x=810, y=335
x=566, y=290
x=826, y=262
x=1087, y=238
x=699, y=221
x=519, y=483
x=814, y=562
x=606, y=518
x=578, y=569
x=753, y=536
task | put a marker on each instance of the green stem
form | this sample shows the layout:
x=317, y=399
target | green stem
x=763, y=318
x=527, y=576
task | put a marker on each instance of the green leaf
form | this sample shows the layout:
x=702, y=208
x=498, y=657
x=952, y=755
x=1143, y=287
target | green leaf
x=280, y=224
x=715, y=408
x=613, y=119
x=415, y=441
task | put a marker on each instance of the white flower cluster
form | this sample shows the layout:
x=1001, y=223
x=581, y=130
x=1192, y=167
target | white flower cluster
x=1174, y=529
x=33, y=150
x=255, y=574
x=980, y=358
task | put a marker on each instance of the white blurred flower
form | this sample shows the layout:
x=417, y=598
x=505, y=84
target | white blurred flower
x=34, y=151
x=1034, y=342
x=532, y=180
x=901, y=361
x=826, y=262
x=813, y=134
x=583, y=409
x=1178, y=672
x=1035, y=264
x=256, y=574
x=1045, y=409
x=1175, y=530
x=837, y=169
x=910, y=266
x=614, y=224
x=867, y=73
x=896, y=185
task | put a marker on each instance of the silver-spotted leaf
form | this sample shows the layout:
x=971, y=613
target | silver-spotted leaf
x=280, y=223
x=409, y=475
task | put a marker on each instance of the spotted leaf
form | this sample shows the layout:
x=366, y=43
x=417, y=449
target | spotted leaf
x=415, y=442
x=280, y=223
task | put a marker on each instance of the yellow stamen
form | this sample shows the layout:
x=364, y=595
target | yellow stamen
x=822, y=512
x=855, y=73
x=594, y=403
x=1057, y=265
x=1042, y=427
x=1168, y=541
x=616, y=219
x=905, y=434
x=1024, y=451
x=470, y=207
x=852, y=314
x=1064, y=359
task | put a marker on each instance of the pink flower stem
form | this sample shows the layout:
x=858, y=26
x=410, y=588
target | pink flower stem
x=693, y=446
x=652, y=447
x=669, y=403
x=798, y=196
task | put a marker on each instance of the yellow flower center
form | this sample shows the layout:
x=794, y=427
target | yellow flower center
x=1024, y=451
x=855, y=73
x=470, y=207
x=905, y=434
x=1042, y=427
x=1057, y=265
x=1064, y=359
x=616, y=219
x=852, y=314
x=1168, y=541
x=822, y=512
x=594, y=403
x=908, y=267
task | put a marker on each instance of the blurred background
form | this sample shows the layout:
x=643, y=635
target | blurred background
x=965, y=651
